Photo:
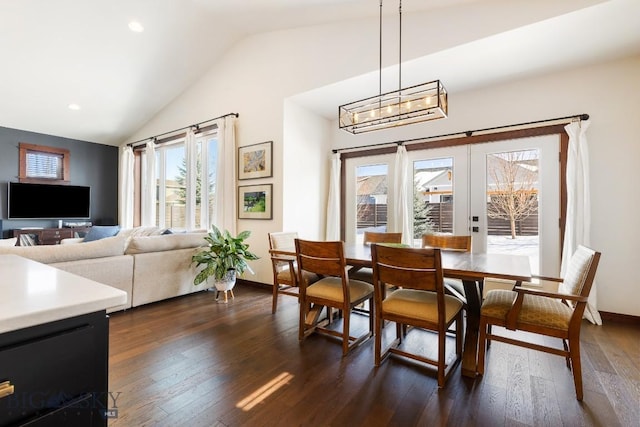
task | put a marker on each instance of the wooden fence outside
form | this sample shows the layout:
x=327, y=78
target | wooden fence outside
x=441, y=217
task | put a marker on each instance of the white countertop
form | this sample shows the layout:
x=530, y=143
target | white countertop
x=32, y=293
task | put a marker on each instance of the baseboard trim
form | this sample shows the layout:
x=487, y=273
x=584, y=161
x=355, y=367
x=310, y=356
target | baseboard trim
x=620, y=318
x=254, y=284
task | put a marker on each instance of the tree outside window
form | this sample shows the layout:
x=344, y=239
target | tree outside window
x=512, y=187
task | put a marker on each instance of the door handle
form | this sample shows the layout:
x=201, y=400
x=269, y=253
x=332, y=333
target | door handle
x=475, y=229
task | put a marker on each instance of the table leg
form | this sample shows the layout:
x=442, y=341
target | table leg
x=470, y=351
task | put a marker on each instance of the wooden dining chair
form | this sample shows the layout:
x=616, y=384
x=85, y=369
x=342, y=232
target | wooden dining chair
x=334, y=290
x=419, y=301
x=285, y=276
x=449, y=242
x=366, y=274
x=553, y=314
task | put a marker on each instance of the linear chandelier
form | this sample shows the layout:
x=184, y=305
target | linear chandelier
x=405, y=106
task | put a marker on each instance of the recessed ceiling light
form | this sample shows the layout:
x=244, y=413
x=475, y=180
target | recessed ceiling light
x=74, y=107
x=136, y=27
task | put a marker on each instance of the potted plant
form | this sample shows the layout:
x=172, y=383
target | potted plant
x=223, y=258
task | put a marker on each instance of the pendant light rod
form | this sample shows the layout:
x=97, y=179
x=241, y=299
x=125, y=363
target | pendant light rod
x=380, y=52
x=401, y=107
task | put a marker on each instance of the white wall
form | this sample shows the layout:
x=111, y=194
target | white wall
x=305, y=178
x=259, y=74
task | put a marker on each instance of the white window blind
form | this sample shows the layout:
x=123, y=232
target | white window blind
x=44, y=165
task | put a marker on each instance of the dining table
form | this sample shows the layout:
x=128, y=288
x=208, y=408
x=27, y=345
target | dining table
x=472, y=269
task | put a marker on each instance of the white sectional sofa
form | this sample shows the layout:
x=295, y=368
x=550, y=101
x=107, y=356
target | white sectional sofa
x=147, y=267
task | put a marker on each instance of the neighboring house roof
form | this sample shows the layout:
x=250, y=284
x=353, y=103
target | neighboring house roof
x=372, y=185
x=424, y=179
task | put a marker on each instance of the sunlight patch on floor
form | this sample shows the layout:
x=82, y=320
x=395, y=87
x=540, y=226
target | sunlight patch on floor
x=265, y=391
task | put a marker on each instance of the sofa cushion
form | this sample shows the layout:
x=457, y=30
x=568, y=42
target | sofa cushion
x=98, y=232
x=167, y=242
x=47, y=254
x=141, y=231
x=115, y=271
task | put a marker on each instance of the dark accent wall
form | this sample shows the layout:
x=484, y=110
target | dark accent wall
x=94, y=165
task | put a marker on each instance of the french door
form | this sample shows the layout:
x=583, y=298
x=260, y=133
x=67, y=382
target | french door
x=370, y=192
x=505, y=194
x=515, y=200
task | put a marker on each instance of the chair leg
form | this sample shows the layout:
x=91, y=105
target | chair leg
x=398, y=332
x=442, y=339
x=459, y=334
x=345, y=331
x=378, y=340
x=574, y=353
x=371, y=315
x=566, y=348
x=482, y=345
x=274, y=304
x=304, y=308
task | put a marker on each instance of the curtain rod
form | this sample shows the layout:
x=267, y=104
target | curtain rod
x=131, y=144
x=583, y=116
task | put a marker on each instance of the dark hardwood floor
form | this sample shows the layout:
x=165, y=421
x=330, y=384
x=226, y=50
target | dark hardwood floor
x=192, y=362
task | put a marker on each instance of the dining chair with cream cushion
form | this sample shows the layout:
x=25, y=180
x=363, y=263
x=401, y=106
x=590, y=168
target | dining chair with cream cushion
x=553, y=314
x=366, y=274
x=449, y=242
x=285, y=276
x=419, y=301
x=334, y=290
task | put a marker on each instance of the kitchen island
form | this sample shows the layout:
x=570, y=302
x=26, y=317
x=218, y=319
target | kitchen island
x=54, y=345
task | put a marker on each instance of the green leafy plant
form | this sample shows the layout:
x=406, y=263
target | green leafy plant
x=223, y=253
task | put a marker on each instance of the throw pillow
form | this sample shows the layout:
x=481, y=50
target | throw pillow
x=8, y=242
x=98, y=232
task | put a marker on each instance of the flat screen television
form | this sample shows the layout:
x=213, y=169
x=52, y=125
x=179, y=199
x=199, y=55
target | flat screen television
x=48, y=201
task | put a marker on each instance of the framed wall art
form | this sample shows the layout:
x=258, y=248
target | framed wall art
x=254, y=201
x=254, y=161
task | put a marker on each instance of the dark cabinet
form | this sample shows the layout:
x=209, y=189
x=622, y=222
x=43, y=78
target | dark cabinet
x=47, y=236
x=56, y=374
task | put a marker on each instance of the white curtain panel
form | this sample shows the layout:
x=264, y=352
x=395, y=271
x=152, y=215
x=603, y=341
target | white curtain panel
x=400, y=220
x=333, y=202
x=578, y=226
x=226, y=196
x=149, y=186
x=125, y=193
x=191, y=154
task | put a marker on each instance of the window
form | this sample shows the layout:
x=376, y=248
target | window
x=368, y=196
x=371, y=199
x=172, y=201
x=43, y=164
x=174, y=207
x=208, y=161
x=432, y=196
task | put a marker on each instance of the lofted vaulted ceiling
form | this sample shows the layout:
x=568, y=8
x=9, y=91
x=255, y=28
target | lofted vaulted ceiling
x=57, y=53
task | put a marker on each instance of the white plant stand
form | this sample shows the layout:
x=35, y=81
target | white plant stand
x=226, y=285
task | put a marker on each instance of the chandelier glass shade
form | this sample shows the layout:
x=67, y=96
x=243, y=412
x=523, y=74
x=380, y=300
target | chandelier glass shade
x=415, y=104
